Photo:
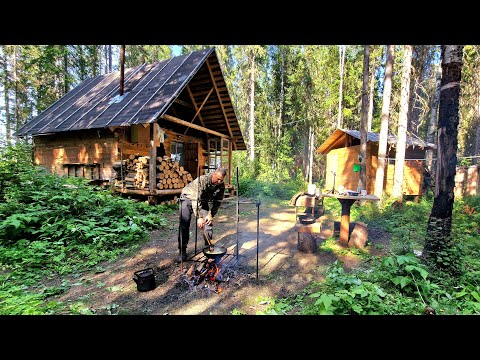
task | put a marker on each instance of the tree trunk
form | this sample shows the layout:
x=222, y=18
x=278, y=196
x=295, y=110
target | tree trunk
x=252, y=108
x=382, y=146
x=477, y=142
x=109, y=58
x=402, y=125
x=6, y=87
x=438, y=240
x=310, y=155
x=66, y=86
x=342, y=65
x=105, y=52
x=370, y=97
x=432, y=127
x=363, y=126
x=15, y=87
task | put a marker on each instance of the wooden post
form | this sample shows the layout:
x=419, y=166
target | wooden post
x=152, y=163
x=359, y=235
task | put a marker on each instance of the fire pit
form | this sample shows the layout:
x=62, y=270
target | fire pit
x=209, y=272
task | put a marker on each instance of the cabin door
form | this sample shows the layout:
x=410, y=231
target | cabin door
x=191, y=158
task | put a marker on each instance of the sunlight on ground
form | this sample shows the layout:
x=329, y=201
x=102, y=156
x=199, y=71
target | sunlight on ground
x=199, y=306
x=352, y=256
x=148, y=251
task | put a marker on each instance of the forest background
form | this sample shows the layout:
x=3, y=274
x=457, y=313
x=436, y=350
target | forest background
x=288, y=98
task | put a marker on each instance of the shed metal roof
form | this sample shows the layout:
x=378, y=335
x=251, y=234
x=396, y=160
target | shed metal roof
x=188, y=87
x=338, y=134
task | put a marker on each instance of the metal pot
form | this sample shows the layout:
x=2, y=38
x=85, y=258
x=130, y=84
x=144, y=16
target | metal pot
x=308, y=219
x=214, y=252
x=145, y=279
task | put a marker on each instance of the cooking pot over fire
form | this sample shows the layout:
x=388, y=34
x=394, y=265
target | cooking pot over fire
x=212, y=251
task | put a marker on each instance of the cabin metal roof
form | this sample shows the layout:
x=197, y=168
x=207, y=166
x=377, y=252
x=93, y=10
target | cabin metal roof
x=337, y=140
x=188, y=87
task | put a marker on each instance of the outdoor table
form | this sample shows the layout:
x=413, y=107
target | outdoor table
x=347, y=202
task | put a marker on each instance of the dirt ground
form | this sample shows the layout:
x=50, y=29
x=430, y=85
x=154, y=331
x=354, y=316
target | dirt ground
x=250, y=280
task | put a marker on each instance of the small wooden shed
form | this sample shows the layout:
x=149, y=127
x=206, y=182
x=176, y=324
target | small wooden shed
x=177, y=109
x=342, y=148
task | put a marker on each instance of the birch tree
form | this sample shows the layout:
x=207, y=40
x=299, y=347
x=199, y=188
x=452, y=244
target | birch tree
x=382, y=146
x=432, y=127
x=363, y=127
x=402, y=125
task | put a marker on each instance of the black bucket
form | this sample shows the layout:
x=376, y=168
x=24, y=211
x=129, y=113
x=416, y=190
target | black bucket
x=145, y=279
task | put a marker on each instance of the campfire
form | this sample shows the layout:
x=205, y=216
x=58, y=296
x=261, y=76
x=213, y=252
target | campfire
x=209, y=273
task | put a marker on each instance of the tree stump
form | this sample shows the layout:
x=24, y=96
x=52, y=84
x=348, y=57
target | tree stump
x=359, y=235
x=307, y=242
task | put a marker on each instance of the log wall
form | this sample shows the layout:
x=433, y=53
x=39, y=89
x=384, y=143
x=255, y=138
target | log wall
x=76, y=147
x=466, y=181
x=103, y=147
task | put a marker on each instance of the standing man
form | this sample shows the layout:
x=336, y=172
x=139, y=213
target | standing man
x=205, y=188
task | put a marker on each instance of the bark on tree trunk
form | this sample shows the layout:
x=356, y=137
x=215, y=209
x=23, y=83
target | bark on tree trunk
x=310, y=156
x=402, y=125
x=109, y=58
x=370, y=96
x=342, y=64
x=6, y=87
x=382, y=146
x=363, y=126
x=438, y=240
x=433, y=120
x=477, y=142
x=106, y=58
x=65, y=71
x=15, y=84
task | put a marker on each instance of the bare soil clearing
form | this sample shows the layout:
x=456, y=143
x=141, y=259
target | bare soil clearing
x=282, y=269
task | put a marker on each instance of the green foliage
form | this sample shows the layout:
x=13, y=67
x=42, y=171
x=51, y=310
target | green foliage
x=57, y=225
x=283, y=190
x=465, y=162
x=15, y=300
x=399, y=283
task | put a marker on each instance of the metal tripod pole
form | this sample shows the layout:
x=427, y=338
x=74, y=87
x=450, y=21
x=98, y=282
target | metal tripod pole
x=180, y=202
x=196, y=212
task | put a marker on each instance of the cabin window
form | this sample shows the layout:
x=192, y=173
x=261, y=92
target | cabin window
x=88, y=171
x=176, y=152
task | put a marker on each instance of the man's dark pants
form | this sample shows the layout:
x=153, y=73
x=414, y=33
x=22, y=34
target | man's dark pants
x=186, y=212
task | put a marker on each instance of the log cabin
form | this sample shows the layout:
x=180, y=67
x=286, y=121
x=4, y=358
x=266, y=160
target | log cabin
x=129, y=128
x=342, y=149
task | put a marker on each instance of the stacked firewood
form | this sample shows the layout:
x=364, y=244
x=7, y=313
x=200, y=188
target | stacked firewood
x=135, y=172
x=171, y=175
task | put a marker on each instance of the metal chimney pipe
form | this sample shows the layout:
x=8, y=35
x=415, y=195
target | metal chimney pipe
x=122, y=67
